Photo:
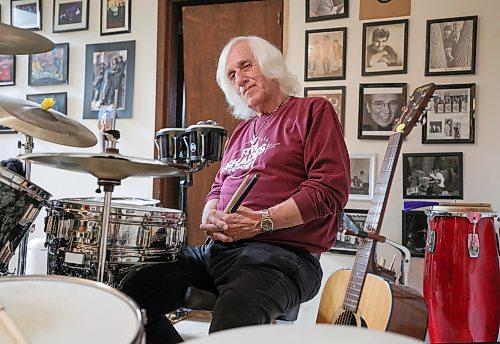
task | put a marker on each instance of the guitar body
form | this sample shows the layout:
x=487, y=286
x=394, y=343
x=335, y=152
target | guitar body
x=382, y=306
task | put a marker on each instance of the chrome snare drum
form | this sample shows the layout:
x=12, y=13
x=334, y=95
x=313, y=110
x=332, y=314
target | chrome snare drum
x=206, y=142
x=172, y=145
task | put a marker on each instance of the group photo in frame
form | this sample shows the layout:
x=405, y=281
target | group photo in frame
x=354, y=220
x=451, y=46
x=70, y=15
x=7, y=70
x=380, y=105
x=451, y=115
x=334, y=94
x=50, y=68
x=59, y=97
x=325, y=53
x=414, y=233
x=385, y=47
x=317, y=10
x=433, y=175
x=115, y=16
x=26, y=14
x=109, y=69
x=362, y=176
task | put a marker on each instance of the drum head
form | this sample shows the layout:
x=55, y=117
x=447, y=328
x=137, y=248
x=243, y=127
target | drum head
x=462, y=208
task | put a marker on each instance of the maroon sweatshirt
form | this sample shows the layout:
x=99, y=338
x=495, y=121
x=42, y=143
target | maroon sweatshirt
x=300, y=153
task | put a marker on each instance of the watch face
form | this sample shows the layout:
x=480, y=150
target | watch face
x=267, y=225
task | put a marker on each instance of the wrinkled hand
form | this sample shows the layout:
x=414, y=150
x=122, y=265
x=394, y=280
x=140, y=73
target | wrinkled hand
x=243, y=224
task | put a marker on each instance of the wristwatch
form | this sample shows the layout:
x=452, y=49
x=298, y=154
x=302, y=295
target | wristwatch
x=266, y=224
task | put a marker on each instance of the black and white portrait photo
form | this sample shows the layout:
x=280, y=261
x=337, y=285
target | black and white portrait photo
x=325, y=52
x=362, y=176
x=334, y=94
x=317, y=10
x=451, y=46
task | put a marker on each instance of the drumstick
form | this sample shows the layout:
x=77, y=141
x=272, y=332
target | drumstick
x=244, y=194
x=10, y=326
x=237, y=194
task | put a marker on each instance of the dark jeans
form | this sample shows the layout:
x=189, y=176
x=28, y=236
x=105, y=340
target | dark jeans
x=256, y=282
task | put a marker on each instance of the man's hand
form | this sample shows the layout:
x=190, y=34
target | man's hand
x=243, y=224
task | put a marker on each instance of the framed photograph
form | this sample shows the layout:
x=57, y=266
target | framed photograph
x=109, y=69
x=70, y=15
x=50, y=68
x=362, y=176
x=334, y=94
x=385, y=47
x=354, y=220
x=317, y=10
x=451, y=115
x=115, y=16
x=26, y=14
x=433, y=176
x=414, y=224
x=380, y=105
x=451, y=46
x=7, y=70
x=59, y=97
x=325, y=54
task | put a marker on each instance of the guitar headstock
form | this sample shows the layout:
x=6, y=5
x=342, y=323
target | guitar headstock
x=417, y=103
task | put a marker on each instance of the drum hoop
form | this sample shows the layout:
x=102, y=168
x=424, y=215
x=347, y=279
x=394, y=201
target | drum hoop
x=435, y=213
x=167, y=130
x=20, y=183
x=153, y=209
x=216, y=128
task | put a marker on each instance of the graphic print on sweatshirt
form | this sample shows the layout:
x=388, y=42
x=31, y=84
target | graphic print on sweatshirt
x=249, y=155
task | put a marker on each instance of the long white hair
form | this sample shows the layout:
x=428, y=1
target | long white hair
x=271, y=63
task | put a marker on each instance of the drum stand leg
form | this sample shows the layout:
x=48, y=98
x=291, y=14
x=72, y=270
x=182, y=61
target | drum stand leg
x=184, y=184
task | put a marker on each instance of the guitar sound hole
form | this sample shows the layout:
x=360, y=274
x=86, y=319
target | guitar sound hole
x=348, y=318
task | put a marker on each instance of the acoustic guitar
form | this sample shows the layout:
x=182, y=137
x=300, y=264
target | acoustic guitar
x=360, y=296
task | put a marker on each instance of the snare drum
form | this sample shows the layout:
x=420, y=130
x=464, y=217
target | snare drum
x=462, y=275
x=172, y=145
x=49, y=309
x=20, y=203
x=206, y=142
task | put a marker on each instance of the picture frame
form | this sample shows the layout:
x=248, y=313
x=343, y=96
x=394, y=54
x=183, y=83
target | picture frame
x=451, y=115
x=59, y=97
x=115, y=17
x=433, y=175
x=7, y=70
x=50, y=68
x=451, y=46
x=334, y=94
x=26, y=14
x=414, y=233
x=318, y=10
x=385, y=47
x=362, y=176
x=70, y=15
x=319, y=66
x=354, y=220
x=117, y=59
x=380, y=106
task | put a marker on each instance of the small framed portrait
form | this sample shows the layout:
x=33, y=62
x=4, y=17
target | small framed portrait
x=317, y=10
x=59, y=97
x=109, y=71
x=115, y=16
x=7, y=70
x=354, y=220
x=451, y=115
x=325, y=54
x=50, y=68
x=380, y=106
x=362, y=176
x=433, y=175
x=334, y=94
x=385, y=47
x=414, y=234
x=70, y=15
x=451, y=46
x=26, y=14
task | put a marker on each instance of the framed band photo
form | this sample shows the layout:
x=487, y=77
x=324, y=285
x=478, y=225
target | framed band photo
x=59, y=97
x=7, y=70
x=70, y=15
x=385, y=47
x=380, y=106
x=26, y=14
x=317, y=10
x=354, y=220
x=451, y=115
x=325, y=54
x=414, y=234
x=50, y=68
x=451, y=46
x=362, y=176
x=115, y=16
x=433, y=175
x=334, y=94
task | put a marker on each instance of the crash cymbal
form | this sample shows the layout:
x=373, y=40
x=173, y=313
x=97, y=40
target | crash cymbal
x=16, y=41
x=107, y=166
x=48, y=125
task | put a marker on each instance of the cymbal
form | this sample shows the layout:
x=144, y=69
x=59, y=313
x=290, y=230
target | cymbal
x=107, y=166
x=16, y=41
x=48, y=125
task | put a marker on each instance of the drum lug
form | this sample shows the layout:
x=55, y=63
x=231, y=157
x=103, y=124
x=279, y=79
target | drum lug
x=473, y=239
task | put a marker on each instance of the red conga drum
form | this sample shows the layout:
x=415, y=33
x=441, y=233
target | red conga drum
x=462, y=275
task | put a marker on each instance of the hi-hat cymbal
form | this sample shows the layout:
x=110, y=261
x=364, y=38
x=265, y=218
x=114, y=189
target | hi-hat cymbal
x=48, y=125
x=16, y=41
x=108, y=166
